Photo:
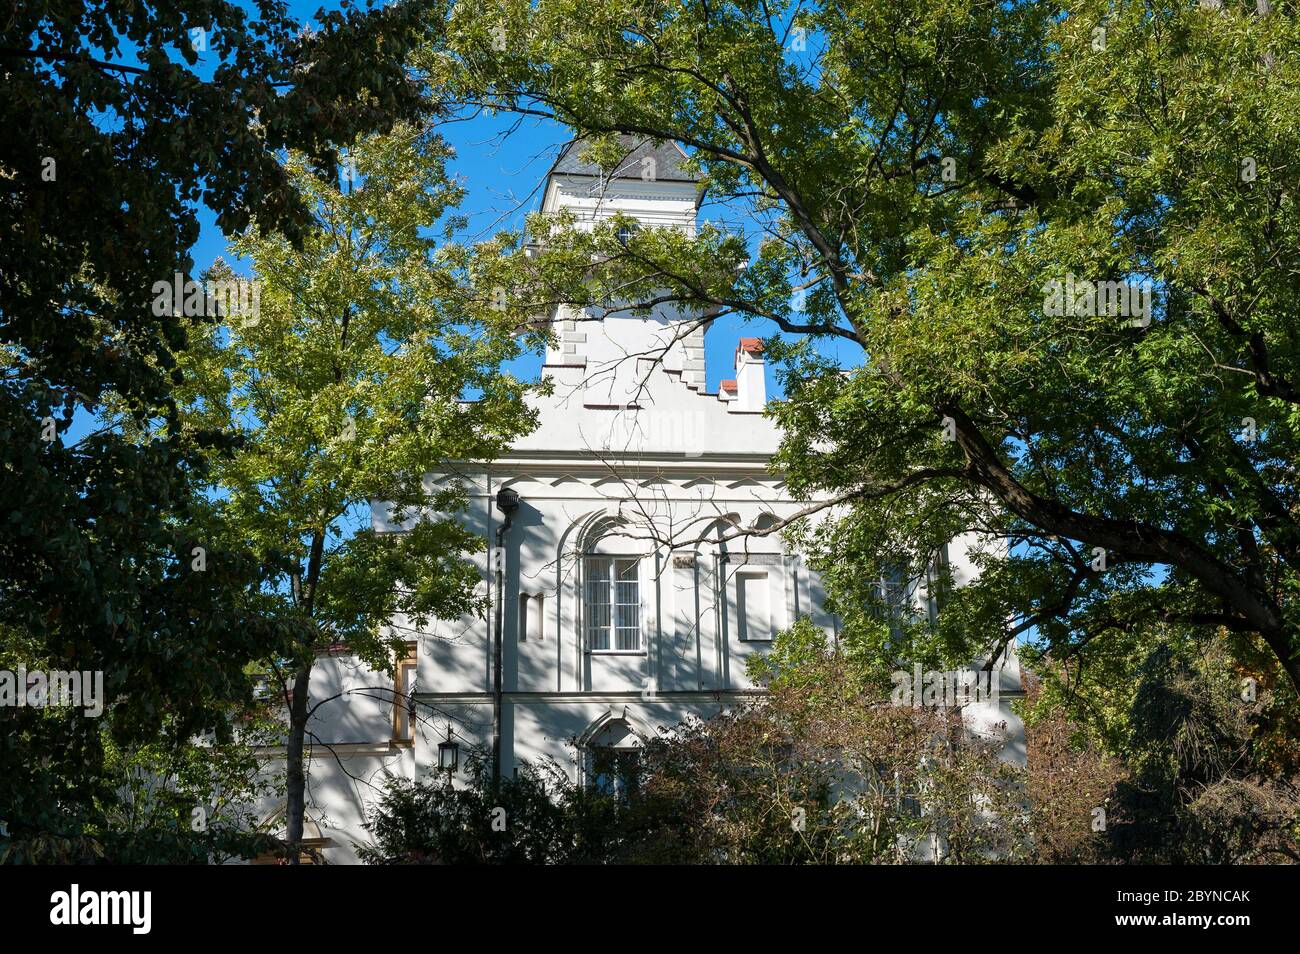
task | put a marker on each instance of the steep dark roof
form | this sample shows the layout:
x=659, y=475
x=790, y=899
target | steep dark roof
x=668, y=157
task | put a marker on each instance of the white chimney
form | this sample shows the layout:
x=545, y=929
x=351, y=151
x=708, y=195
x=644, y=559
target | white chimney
x=751, y=381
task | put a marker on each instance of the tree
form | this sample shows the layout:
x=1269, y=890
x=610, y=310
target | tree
x=1059, y=239
x=1200, y=753
x=1071, y=786
x=822, y=770
x=538, y=816
x=189, y=800
x=120, y=119
x=347, y=386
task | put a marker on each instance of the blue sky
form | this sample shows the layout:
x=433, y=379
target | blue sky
x=503, y=163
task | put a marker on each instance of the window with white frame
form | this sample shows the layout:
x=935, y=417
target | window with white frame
x=626, y=231
x=612, y=603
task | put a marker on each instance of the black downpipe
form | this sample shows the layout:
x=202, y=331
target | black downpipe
x=507, y=503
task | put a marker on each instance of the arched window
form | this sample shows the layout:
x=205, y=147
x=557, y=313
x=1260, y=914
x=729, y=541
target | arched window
x=757, y=582
x=614, y=760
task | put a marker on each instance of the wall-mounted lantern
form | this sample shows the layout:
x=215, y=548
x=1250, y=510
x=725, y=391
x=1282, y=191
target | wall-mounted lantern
x=448, y=754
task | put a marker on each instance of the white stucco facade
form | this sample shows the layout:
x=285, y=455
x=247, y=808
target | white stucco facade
x=623, y=608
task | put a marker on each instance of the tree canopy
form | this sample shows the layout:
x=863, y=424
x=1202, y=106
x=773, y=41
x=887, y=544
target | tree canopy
x=345, y=386
x=120, y=119
x=1060, y=237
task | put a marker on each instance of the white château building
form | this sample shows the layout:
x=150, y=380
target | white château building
x=620, y=604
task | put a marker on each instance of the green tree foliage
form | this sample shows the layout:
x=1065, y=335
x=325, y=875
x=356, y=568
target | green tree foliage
x=538, y=816
x=1199, y=761
x=819, y=771
x=119, y=121
x=920, y=174
x=1071, y=786
x=824, y=770
x=179, y=800
x=801, y=779
x=347, y=386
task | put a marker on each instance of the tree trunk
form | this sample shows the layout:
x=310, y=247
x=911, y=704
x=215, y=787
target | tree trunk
x=296, y=775
x=295, y=793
